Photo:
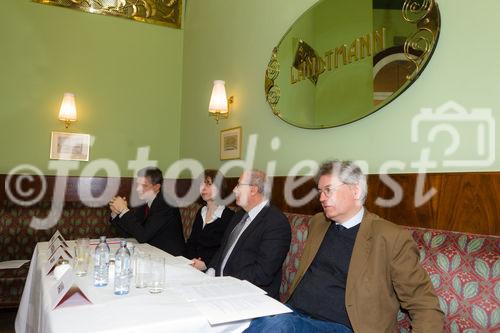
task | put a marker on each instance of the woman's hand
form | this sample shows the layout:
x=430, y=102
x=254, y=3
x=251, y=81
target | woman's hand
x=199, y=264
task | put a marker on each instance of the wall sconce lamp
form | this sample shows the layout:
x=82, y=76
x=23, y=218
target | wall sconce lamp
x=219, y=103
x=67, y=112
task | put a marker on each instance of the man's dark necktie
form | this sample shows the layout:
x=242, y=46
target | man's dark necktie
x=234, y=235
x=146, y=211
x=339, y=227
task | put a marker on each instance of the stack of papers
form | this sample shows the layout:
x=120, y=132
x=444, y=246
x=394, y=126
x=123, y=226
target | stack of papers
x=12, y=264
x=226, y=299
x=217, y=288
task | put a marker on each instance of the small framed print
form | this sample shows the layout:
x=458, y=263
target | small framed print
x=230, y=143
x=69, y=146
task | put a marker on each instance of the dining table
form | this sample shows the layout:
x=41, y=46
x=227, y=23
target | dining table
x=100, y=310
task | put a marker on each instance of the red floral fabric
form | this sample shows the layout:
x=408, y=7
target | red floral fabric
x=465, y=271
x=299, y=225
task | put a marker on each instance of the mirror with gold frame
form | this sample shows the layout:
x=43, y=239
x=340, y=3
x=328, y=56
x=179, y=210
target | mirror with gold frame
x=343, y=60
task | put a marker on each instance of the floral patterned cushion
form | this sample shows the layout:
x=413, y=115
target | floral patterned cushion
x=299, y=225
x=17, y=238
x=465, y=271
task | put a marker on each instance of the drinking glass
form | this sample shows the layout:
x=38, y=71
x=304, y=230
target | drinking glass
x=157, y=282
x=142, y=270
x=131, y=249
x=82, y=257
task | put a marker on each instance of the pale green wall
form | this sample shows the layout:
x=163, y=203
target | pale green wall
x=126, y=76
x=123, y=72
x=232, y=40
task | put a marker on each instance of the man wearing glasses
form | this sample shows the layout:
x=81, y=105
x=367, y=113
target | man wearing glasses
x=257, y=239
x=155, y=222
x=356, y=270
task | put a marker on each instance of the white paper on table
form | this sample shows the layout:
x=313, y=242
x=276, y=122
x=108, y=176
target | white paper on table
x=181, y=274
x=183, y=260
x=10, y=264
x=218, y=311
x=217, y=288
x=145, y=248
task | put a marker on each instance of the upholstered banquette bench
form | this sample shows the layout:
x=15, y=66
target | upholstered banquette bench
x=464, y=268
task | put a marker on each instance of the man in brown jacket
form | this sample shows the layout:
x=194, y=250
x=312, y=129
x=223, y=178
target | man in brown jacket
x=356, y=270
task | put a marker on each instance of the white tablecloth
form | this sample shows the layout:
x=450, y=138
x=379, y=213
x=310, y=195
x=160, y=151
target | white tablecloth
x=138, y=311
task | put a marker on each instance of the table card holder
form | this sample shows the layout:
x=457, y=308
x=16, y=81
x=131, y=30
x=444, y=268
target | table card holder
x=66, y=290
x=55, y=236
x=58, y=244
x=51, y=263
x=56, y=241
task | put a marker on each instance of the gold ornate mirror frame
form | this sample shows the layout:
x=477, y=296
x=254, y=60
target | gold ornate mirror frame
x=161, y=12
x=306, y=68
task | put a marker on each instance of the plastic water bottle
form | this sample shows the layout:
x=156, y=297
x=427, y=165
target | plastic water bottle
x=122, y=269
x=101, y=263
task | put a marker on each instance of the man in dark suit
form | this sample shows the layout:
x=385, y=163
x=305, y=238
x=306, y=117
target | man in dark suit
x=156, y=222
x=356, y=270
x=257, y=239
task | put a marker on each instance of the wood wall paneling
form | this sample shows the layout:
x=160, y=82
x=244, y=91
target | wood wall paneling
x=465, y=202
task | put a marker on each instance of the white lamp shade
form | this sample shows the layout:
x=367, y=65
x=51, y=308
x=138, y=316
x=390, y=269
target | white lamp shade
x=68, y=108
x=218, y=100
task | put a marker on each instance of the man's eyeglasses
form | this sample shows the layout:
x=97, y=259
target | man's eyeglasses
x=329, y=190
x=241, y=184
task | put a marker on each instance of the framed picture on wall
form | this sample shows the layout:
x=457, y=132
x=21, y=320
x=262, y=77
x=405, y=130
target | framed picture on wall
x=69, y=146
x=230, y=143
